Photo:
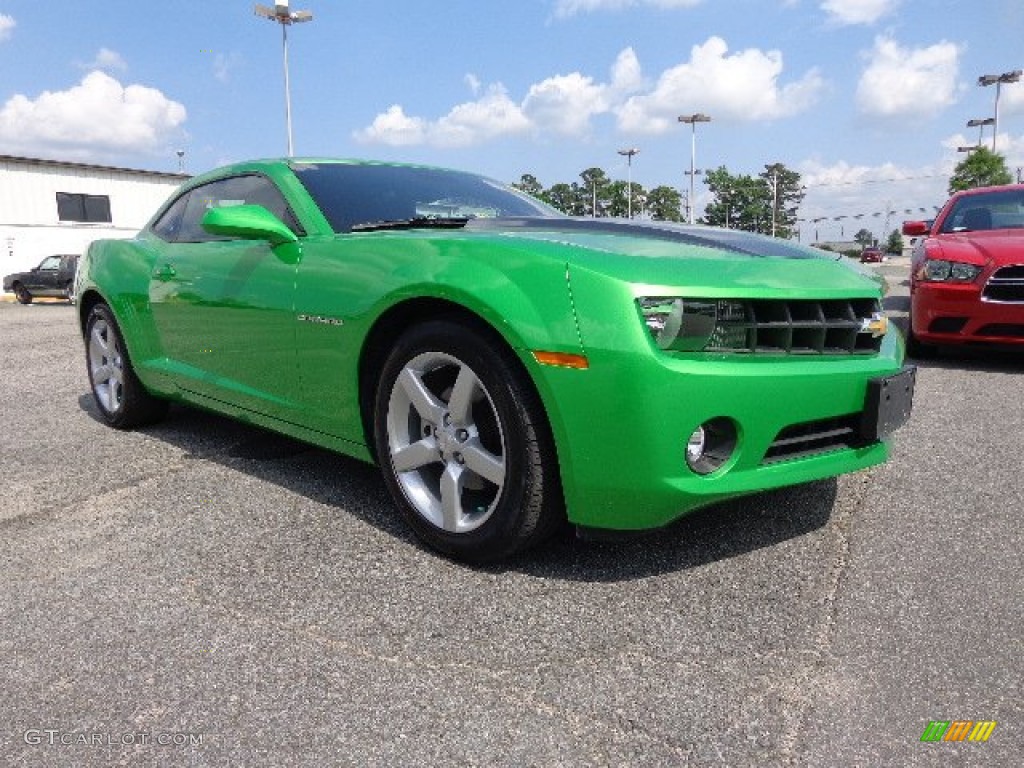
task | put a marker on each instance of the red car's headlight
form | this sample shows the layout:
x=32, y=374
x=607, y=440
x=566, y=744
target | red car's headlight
x=942, y=271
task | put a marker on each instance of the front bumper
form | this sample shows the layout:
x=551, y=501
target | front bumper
x=955, y=314
x=622, y=426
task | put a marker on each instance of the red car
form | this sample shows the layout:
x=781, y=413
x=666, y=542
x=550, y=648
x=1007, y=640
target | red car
x=967, y=272
x=871, y=255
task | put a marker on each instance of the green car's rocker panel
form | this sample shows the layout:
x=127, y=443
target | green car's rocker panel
x=275, y=334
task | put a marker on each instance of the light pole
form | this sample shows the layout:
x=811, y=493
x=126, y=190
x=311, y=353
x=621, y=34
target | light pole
x=285, y=17
x=998, y=80
x=980, y=124
x=692, y=120
x=628, y=154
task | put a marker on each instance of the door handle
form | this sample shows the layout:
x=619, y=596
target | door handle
x=166, y=272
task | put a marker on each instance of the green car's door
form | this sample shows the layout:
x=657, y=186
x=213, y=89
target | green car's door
x=223, y=308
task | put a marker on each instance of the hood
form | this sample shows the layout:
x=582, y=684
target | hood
x=724, y=262
x=635, y=238
x=996, y=247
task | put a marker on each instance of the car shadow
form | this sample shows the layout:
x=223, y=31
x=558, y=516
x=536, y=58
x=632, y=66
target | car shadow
x=714, y=533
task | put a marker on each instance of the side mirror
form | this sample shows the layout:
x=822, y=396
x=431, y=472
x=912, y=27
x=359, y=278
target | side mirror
x=915, y=228
x=250, y=222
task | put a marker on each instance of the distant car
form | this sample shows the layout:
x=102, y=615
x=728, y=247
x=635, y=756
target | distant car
x=871, y=255
x=967, y=272
x=54, y=278
x=506, y=366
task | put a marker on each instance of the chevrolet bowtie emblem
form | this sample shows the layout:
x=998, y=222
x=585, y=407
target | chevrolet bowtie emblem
x=876, y=325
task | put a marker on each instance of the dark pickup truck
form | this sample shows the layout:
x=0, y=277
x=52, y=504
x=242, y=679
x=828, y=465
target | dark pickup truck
x=54, y=277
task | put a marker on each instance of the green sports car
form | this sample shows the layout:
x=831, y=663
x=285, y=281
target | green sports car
x=507, y=367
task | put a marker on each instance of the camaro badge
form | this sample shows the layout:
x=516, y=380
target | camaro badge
x=876, y=325
x=321, y=320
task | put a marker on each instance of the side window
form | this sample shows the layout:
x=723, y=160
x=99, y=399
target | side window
x=50, y=262
x=238, y=190
x=167, y=226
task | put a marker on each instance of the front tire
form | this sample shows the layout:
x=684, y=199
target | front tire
x=122, y=400
x=464, y=444
x=21, y=293
x=916, y=348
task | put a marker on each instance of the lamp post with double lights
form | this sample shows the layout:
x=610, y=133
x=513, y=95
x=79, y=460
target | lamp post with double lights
x=285, y=17
x=980, y=124
x=998, y=81
x=628, y=154
x=692, y=120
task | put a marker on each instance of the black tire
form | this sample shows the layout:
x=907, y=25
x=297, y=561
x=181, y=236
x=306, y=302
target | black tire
x=464, y=444
x=915, y=347
x=22, y=294
x=122, y=400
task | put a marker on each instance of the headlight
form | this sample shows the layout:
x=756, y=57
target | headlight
x=942, y=271
x=688, y=325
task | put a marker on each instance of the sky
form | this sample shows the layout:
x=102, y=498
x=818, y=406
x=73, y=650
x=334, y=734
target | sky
x=867, y=99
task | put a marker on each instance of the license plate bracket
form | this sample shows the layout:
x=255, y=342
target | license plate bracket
x=887, y=404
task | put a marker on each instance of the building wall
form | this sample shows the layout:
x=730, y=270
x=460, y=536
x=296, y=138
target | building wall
x=30, y=228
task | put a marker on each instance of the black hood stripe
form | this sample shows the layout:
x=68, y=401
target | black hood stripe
x=730, y=240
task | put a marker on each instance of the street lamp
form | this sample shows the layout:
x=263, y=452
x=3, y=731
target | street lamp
x=628, y=154
x=972, y=148
x=692, y=120
x=980, y=124
x=285, y=17
x=998, y=80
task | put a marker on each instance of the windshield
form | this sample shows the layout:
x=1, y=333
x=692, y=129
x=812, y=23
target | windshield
x=351, y=195
x=988, y=210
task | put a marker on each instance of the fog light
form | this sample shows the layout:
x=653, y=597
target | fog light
x=711, y=445
x=695, y=446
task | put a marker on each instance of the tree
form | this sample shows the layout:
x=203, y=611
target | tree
x=566, y=198
x=981, y=168
x=665, y=204
x=895, y=242
x=528, y=183
x=756, y=204
x=740, y=202
x=786, y=196
x=595, y=191
x=864, y=238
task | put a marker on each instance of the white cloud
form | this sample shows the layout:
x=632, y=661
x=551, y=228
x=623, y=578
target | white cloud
x=565, y=8
x=740, y=86
x=96, y=117
x=473, y=82
x=904, y=82
x=1011, y=99
x=7, y=23
x=492, y=115
x=848, y=12
x=225, y=64
x=108, y=61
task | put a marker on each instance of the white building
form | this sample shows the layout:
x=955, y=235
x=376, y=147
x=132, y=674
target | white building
x=49, y=206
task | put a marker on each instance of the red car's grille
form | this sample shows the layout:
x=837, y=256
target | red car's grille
x=1005, y=285
x=798, y=327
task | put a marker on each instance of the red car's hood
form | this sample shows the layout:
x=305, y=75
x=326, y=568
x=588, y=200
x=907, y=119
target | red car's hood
x=997, y=247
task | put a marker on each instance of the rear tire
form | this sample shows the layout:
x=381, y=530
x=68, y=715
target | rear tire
x=22, y=294
x=464, y=444
x=122, y=400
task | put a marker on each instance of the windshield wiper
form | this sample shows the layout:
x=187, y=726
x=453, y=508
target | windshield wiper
x=419, y=222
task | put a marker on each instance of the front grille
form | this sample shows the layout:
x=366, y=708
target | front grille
x=1006, y=330
x=1005, y=285
x=796, y=327
x=815, y=437
x=947, y=325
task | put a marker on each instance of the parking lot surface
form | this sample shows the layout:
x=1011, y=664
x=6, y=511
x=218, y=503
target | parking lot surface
x=205, y=593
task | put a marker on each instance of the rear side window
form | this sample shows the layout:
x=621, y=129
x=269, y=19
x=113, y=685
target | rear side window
x=182, y=222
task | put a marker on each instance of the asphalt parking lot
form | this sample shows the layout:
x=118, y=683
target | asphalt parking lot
x=202, y=593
